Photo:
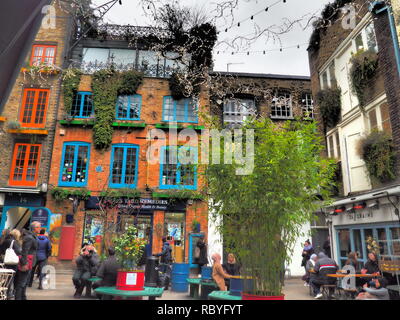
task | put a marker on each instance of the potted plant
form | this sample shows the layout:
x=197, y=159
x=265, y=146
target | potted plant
x=129, y=249
x=261, y=210
x=195, y=225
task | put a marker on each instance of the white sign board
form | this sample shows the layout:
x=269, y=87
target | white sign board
x=131, y=279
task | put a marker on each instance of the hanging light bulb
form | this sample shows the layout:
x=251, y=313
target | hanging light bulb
x=264, y=52
x=266, y=9
x=238, y=24
x=252, y=18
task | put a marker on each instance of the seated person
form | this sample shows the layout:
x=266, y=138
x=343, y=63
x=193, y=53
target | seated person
x=108, y=271
x=86, y=264
x=231, y=267
x=372, y=265
x=310, y=268
x=323, y=266
x=375, y=290
x=218, y=273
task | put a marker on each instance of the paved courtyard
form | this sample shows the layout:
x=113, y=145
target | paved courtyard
x=294, y=290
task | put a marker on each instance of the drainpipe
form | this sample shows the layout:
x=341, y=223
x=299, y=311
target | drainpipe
x=378, y=7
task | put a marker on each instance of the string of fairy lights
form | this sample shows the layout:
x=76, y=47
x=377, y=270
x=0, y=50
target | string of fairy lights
x=248, y=52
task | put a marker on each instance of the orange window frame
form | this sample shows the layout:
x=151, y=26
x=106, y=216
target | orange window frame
x=26, y=159
x=33, y=114
x=43, y=56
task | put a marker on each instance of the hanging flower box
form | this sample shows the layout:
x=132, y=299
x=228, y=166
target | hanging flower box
x=120, y=124
x=44, y=70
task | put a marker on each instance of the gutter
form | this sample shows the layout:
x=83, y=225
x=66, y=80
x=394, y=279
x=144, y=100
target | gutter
x=20, y=190
x=378, y=7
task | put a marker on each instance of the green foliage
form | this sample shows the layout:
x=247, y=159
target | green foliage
x=71, y=79
x=263, y=212
x=105, y=85
x=330, y=105
x=363, y=68
x=182, y=194
x=120, y=193
x=377, y=151
x=195, y=222
x=61, y=194
x=129, y=248
x=130, y=82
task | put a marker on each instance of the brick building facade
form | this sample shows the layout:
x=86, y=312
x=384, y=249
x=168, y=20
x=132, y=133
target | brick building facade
x=364, y=207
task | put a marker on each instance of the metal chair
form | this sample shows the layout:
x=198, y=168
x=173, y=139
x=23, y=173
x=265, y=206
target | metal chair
x=6, y=276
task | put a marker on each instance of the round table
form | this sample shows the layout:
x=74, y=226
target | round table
x=358, y=275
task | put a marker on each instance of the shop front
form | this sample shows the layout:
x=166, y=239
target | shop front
x=154, y=219
x=357, y=221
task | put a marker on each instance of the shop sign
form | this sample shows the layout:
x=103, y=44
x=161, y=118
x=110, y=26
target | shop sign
x=364, y=214
x=144, y=204
x=23, y=200
x=41, y=215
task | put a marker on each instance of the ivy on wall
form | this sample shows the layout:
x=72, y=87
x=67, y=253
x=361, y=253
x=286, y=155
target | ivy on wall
x=377, y=151
x=363, y=68
x=61, y=194
x=107, y=84
x=330, y=105
x=71, y=79
x=120, y=193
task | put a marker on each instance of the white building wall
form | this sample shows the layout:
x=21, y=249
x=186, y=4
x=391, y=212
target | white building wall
x=295, y=267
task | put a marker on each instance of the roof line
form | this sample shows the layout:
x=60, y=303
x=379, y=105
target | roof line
x=262, y=75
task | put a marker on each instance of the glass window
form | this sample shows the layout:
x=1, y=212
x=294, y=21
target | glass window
x=281, y=105
x=332, y=77
x=183, y=110
x=42, y=54
x=382, y=242
x=344, y=242
x=124, y=159
x=174, y=227
x=237, y=111
x=385, y=118
x=359, y=42
x=128, y=107
x=331, y=147
x=370, y=37
x=174, y=174
x=25, y=164
x=82, y=105
x=373, y=123
x=324, y=84
x=307, y=105
x=34, y=108
x=74, y=164
x=358, y=243
x=395, y=245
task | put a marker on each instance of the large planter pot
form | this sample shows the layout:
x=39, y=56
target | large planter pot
x=237, y=284
x=132, y=280
x=246, y=296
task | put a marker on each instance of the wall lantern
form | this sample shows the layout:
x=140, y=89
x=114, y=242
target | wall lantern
x=339, y=210
x=359, y=206
x=374, y=205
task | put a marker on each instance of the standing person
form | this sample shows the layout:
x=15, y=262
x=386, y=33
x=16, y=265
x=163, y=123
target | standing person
x=218, y=273
x=308, y=250
x=14, y=238
x=3, y=249
x=27, y=260
x=327, y=247
x=323, y=266
x=202, y=259
x=166, y=260
x=43, y=253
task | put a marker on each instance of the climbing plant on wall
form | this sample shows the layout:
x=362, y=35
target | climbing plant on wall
x=329, y=103
x=71, y=78
x=363, y=68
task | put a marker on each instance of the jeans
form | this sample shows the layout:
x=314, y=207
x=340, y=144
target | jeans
x=316, y=284
x=38, y=269
x=21, y=284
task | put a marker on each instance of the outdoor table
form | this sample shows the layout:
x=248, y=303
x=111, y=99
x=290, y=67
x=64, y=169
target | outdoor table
x=151, y=292
x=222, y=295
x=357, y=275
x=194, y=286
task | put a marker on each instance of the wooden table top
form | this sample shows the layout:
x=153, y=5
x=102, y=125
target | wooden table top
x=358, y=275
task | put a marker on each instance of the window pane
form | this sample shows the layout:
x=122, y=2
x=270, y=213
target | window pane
x=169, y=169
x=395, y=246
x=192, y=110
x=81, y=164
x=130, y=169
x=307, y=105
x=338, y=145
x=344, y=242
x=117, y=165
x=180, y=110
x=324, y=80
x=382, y=242
x=28, y=106
x=19, y=163
x=68, y=165
x=49, y=57
x=134, y=107
x=359, y=42
x=41, y=107
x=122, y=107
x=32, y=163
x=87, y=107
x=386, y=126
x=168, y=109
x=373, y=123
x=371, y=39
x=282, y=105
x=331, y=147
x=332, y=77
x=358, y=243
x=37, y=55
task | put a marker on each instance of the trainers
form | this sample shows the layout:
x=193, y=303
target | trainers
x=318, y=296
x=305, y=284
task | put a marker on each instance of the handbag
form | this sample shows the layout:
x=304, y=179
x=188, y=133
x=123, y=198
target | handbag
x=29, y=259
x=10, y=257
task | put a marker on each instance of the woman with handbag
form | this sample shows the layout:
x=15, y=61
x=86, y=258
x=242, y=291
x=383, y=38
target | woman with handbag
x=12, y=249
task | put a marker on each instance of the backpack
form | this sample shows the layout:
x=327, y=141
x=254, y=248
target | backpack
x=197, y=253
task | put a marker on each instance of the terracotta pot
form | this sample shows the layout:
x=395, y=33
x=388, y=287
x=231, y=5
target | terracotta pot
x=131, y=280
x=246, y=296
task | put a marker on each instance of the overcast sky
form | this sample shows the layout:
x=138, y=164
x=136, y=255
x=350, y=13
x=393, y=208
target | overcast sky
x=292, y=61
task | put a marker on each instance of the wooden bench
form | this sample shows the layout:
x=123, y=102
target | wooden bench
x=194, y=286
x=150, y=292
x=222, y=295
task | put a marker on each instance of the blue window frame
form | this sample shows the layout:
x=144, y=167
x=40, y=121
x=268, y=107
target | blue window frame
x=183, y=110
x=176, y=175
x=124, y=165
x=128, y=107
x=74, y=164
x=353, y=239
x=82, y=105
